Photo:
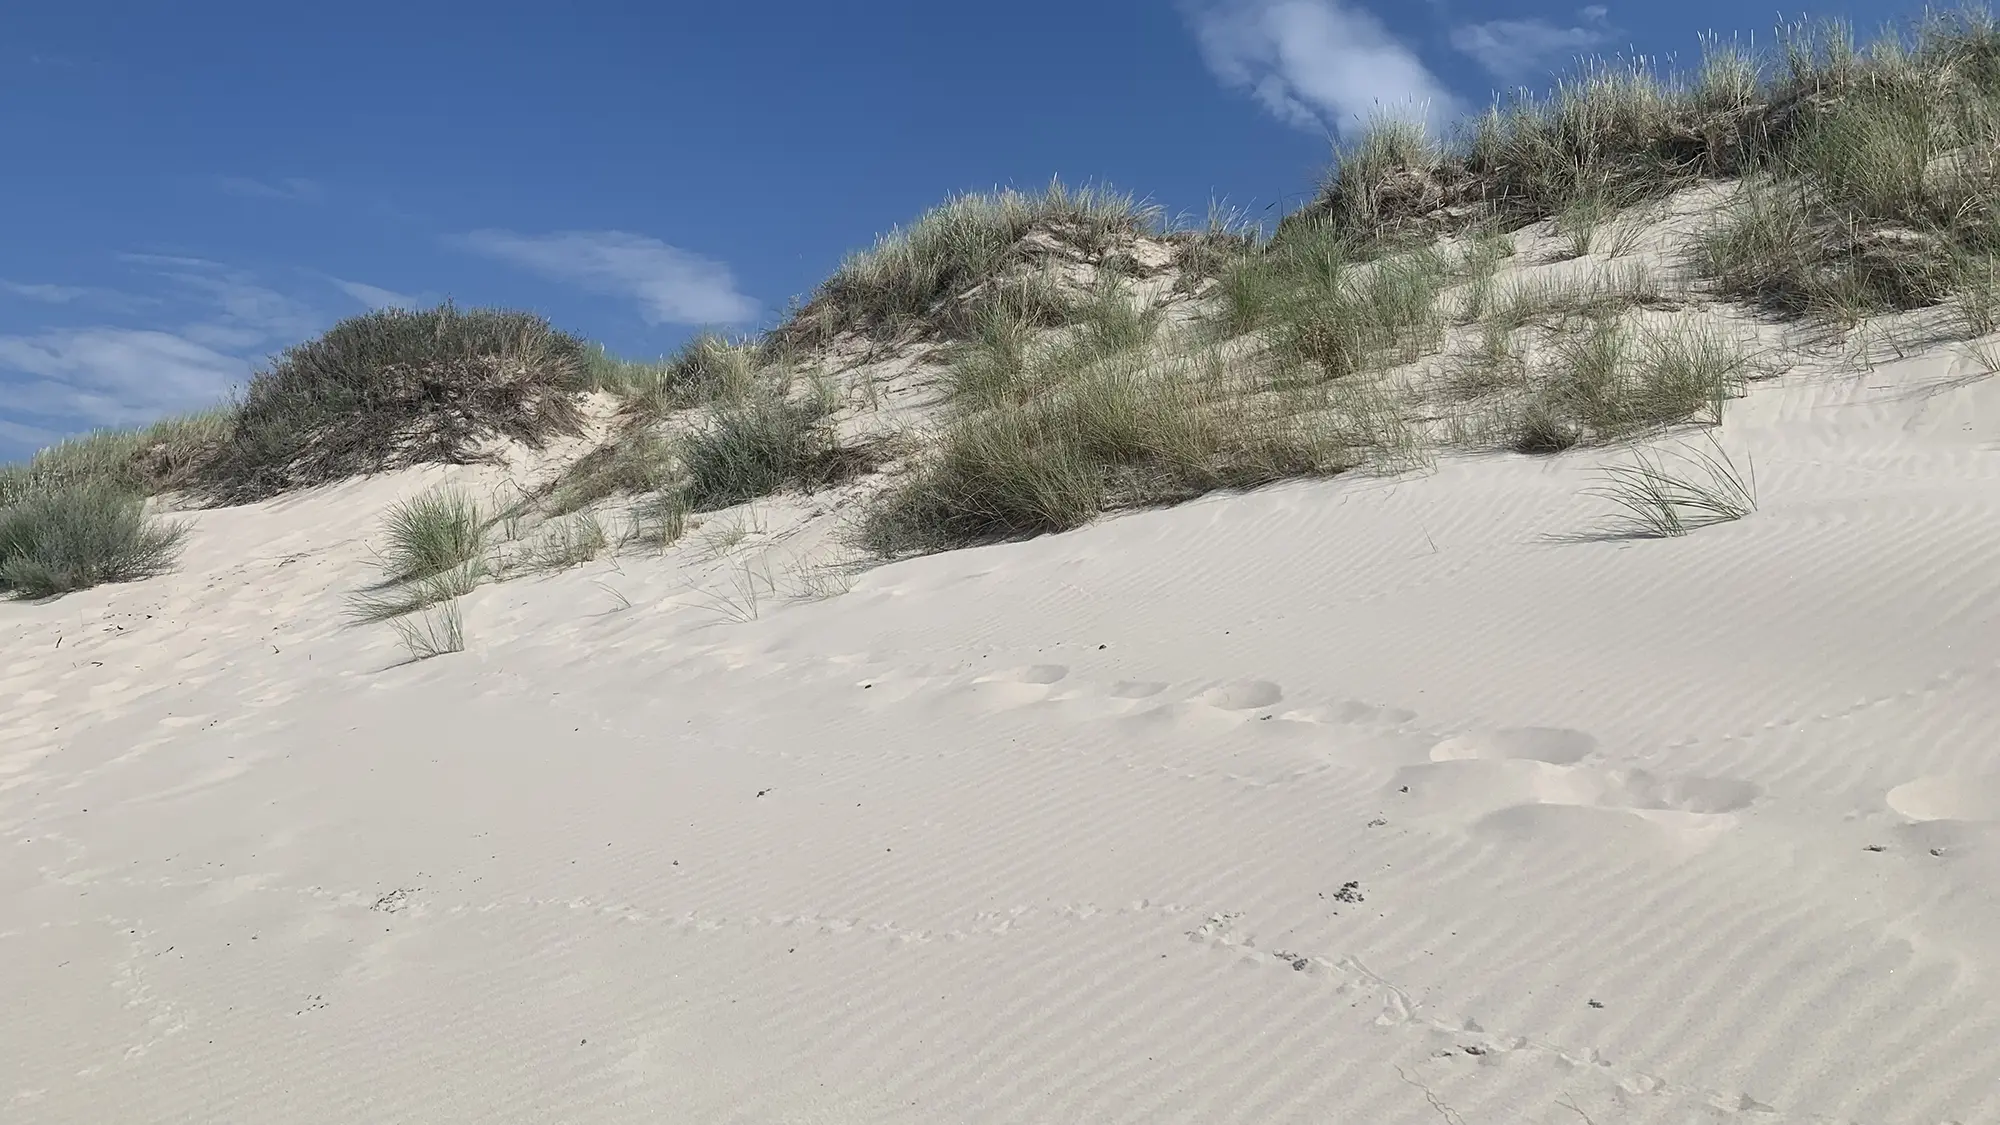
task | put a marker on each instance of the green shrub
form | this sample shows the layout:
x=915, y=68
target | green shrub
x=80, y=535
x=396, y=388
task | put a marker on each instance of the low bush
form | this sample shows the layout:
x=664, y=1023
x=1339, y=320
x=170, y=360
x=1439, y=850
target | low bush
x=396, y=388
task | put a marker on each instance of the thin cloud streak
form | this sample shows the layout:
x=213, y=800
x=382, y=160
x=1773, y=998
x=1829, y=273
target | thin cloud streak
x=45, y=293
x=294, y=189
x=669, y=285
x=1516, y=51
x=115, y=376
x=374, y=297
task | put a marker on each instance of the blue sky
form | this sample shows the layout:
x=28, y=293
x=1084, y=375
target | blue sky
x=192, y=187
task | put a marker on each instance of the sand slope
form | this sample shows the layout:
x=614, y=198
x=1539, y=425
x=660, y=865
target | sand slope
x=1363, y=801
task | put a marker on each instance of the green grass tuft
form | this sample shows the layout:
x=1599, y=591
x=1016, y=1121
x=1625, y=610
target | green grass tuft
x=74, y=536
x=431, y=533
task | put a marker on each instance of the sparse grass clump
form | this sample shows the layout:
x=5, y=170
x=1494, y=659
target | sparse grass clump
x=1111, y=321
x=900, y=283
x=567, y=541
x=1321, y=306
x=433, y=631
x=1664, y=497
x=659, y=520
x=73, y=536
x=397, y=388
x=707, y=369
x=1613, y=378
x=636, y=461
x=1559, y=302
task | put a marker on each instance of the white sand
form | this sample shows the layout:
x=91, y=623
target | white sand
x=1357, y=801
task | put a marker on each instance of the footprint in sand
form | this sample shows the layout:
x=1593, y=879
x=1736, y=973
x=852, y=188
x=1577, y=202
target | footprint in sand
x=1950, y=814
x=1244, y=696
x=1014, y=687
x=1554, y=745
x=1213, y=711
x=1531, y=783
x=1962, y=797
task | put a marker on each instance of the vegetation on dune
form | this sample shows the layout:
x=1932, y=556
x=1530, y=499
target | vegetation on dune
x=433, y=549
x=1869, y=175
x=166, y=455
x=899, y=284
x=1091, y=358
x=76, y=535
x=396, y=388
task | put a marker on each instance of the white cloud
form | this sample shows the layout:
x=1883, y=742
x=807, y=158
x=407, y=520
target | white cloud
x=294, y=188
x=114, y=376
x=1519, y=50
x=51, y=294
x=1317, y=64
x=374, y=296
x=671, y=285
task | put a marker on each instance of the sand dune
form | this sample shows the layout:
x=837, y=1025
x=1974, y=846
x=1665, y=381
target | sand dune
x=1361, y=801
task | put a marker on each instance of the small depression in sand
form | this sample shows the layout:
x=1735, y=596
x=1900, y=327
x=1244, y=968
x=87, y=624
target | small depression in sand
x=1973, y=797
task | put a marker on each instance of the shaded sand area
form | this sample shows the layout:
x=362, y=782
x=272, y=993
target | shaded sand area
x=1370, y=800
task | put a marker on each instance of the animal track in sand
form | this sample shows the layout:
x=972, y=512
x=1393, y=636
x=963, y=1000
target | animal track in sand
x=1960, y=797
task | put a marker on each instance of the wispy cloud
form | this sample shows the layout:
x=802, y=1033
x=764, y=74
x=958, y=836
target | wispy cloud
x=208, y=324
x=374, y=296
x=1518, y=50
x=1317, y=64
x=295, y=189
x=113, y=376
x=48, y=294
x=670, y=285
x=237, y=312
